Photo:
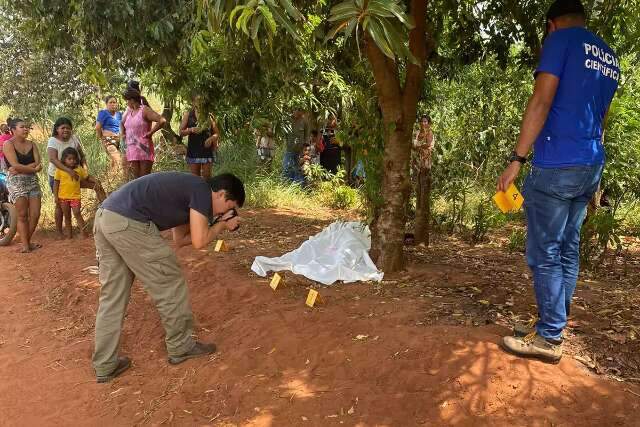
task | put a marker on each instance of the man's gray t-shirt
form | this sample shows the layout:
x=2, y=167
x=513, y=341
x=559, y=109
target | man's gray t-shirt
x=164, y=198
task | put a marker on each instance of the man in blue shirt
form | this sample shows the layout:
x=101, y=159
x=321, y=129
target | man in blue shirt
x=564, y=120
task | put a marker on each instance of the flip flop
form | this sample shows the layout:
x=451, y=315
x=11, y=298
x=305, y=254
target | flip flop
x=34, y=246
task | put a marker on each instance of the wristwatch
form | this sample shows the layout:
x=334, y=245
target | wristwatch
x=515, y=158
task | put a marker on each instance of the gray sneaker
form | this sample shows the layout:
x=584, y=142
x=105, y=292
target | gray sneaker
x=533, y=346
x=124, y=363
x=199, y=349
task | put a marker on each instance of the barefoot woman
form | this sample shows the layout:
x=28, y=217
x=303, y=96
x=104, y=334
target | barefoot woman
x=136, y=129
x=108, y=132
x=23, y=161
x=203, y=139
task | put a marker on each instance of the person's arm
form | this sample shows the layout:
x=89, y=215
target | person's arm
x=101, y=195
x=56, y=191
x=200, y=232
x=534, y=119
x=53, y=158
x=99, y=121
x=37, y=165
x=184, y=130
x=11, y=156
x=157, y=119
x=123, y=131
x=99, y=131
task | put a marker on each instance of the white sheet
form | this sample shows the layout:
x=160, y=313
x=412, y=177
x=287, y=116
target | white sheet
x=339, y=252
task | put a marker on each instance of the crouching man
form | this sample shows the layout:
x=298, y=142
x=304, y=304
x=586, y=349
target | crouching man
x=128, y=245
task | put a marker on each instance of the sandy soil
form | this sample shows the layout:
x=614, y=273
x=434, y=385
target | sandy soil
x=418, y=349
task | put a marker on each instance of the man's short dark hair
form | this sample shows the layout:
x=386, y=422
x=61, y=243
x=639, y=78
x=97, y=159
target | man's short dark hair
x=232, y=186
x=565, y=7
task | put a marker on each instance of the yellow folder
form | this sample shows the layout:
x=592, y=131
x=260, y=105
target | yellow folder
x=510, y=200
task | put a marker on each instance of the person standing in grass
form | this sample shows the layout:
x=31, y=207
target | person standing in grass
x=129, y=245
x=108, y=132
x=66, y=191
x=137, y=127
x=23, y=163
x=62, y=137
x=297, y=136
x=265, y=144
x=203, y=134
x=5, y=135
x=564, y=121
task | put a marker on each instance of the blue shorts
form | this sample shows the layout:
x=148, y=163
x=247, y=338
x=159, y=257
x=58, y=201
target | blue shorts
x=51, y=180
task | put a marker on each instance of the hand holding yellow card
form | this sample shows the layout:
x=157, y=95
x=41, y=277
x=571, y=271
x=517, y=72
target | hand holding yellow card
x=510, y=200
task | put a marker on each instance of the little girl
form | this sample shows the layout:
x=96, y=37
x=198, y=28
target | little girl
x=66, y=190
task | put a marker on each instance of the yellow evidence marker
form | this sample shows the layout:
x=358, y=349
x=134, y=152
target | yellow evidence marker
x=313, y=297
x=277, y=281
x=221, y=246
x=510, y=200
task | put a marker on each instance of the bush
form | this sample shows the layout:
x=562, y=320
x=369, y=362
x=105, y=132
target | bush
x=517, y=240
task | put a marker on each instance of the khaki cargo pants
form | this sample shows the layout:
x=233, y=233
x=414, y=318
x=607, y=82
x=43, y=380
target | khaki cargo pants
x=128, y=249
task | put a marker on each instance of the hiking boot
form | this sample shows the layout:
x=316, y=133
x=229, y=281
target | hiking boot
x=523, y=329
x=199, y=349
x=533, y=346
x=124, y=363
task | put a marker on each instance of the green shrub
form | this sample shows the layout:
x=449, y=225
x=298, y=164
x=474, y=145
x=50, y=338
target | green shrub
x=517, y=240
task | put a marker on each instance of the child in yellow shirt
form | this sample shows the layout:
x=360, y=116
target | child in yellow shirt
x=66, y=190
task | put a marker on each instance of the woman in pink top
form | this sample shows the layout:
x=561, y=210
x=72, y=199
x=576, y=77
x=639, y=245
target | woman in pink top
x=136, y=129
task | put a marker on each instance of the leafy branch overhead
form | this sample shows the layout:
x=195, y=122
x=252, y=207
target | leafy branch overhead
x=385, y=21
x=252, y=17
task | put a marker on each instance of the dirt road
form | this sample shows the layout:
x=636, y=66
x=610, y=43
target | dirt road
x=365, y=358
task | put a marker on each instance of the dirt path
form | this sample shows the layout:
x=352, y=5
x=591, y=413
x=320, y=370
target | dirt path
x=368, y=357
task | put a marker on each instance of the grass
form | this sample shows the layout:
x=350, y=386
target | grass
x=265, y=186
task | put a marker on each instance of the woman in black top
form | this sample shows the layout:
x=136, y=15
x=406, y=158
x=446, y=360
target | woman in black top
x=23, y=163
x=203, y=136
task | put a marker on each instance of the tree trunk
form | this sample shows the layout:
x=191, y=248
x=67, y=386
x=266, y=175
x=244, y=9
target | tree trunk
x=399, y=108
x=423, y=207
x=396, y=187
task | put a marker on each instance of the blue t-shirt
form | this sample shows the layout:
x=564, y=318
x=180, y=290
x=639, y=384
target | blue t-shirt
x=109, y=122
x=589, y=71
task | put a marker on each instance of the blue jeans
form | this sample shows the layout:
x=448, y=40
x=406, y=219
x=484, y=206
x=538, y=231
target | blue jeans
x=555, y=205
x=291, y=169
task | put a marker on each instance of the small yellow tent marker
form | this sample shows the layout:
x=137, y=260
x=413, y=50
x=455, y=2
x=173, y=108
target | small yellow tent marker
x=313, y=297
x=510, y=200
x=221, y=246
x=277, y=280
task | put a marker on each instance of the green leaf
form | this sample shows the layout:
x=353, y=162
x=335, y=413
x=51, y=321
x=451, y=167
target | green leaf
x=285, y=22
x=291, y=10
x=269, y=20
x=255, y=26
x=374, y=28
x=234, y=12
x=344, y=16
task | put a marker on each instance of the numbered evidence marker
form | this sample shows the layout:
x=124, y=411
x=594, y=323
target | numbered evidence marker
x=510, y=200
x=278, y=280
x=220, y=246
x=313, y=298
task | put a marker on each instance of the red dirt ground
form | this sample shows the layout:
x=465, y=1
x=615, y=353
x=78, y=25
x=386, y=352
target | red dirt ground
x=373, y=355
